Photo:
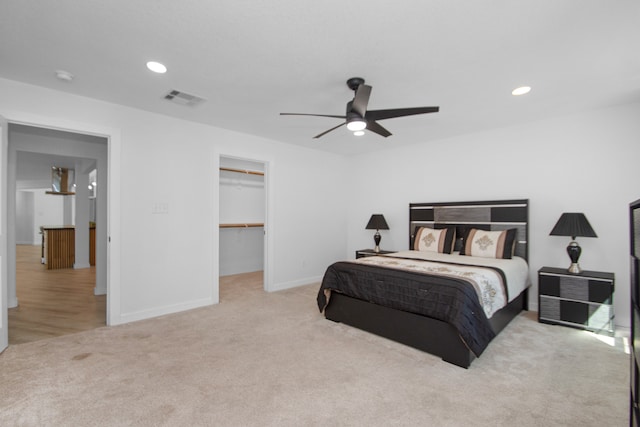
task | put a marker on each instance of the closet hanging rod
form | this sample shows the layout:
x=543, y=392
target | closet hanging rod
x=242, y=171
x=242, y=225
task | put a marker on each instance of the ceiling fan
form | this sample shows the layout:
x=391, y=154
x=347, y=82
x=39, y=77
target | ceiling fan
x=358, y=118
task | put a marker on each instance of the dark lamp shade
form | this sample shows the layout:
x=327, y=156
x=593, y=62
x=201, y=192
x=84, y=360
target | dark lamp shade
x=377, y=222
x=574, y=225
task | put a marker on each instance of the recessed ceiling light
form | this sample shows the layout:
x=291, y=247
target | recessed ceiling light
x=521, y=90
x=359, y=133
x=156, y=67
x=65, y=76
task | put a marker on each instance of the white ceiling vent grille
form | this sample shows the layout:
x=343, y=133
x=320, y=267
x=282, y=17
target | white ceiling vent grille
x=183, y=98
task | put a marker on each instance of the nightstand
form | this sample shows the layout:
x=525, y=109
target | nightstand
x=370, y=252
x=583, y=300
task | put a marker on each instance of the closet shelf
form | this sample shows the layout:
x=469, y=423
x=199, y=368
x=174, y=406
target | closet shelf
x=242, y=225
x=250, y=172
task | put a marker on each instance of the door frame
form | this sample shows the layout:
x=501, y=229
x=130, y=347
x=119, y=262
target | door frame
x=109, y=234
x=4, y=294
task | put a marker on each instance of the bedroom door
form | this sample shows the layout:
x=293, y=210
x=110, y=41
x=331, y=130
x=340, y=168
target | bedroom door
x=4, y=319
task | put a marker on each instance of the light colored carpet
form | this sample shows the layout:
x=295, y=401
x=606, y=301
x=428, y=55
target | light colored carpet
x=261, y=359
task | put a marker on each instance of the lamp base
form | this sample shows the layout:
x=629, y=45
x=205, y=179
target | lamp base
x=574, y=251
x=574, y=268
x=376, y=238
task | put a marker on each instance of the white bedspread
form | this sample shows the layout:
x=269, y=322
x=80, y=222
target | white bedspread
x=490, y=292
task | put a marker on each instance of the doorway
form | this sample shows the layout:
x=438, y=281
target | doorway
x=80, y=298
x=242, y=254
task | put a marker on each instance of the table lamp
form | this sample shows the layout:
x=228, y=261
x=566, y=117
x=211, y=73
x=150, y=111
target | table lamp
x=377, y=222
x=573, y=224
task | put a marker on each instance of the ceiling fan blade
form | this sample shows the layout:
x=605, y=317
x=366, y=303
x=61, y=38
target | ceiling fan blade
x=375, y=127
x=361, y=99
x=315, y=115
x=399, y=112
x=327, y=131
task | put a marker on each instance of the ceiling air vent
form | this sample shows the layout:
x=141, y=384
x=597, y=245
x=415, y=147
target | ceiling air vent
x=183, y=98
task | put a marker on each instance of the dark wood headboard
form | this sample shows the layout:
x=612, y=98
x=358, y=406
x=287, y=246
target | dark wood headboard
x=494, y=215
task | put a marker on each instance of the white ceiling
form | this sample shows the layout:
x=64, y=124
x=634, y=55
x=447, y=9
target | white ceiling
x=252, y=60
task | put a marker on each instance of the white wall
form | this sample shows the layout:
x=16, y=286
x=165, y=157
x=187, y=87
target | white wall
x=168, y=260
x=25, y=224
x=35, y=208
x=241, y=250
x=47, y=210
x=586, y=162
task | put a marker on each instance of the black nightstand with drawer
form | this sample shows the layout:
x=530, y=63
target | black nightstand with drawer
x=583, y=300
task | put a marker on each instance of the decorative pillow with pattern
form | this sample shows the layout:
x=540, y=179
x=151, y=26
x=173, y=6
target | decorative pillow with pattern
x=431, y=240
x=489, y=244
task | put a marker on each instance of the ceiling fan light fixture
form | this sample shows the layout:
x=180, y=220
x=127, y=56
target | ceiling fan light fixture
x=356, y=125
x=358, y=117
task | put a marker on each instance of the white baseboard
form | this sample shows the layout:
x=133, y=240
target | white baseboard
x=294, y=284
x=160, y=311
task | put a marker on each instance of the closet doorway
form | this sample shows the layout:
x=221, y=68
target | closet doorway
x=242, y=235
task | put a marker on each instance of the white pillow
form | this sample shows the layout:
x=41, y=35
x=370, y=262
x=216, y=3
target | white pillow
x=432, y=240
x=489, y=244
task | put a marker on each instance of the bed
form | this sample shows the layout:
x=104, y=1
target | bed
x=448, y=304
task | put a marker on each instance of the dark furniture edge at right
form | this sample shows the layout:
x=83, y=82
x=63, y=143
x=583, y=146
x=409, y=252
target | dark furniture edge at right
x=634, y=236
